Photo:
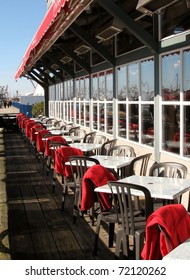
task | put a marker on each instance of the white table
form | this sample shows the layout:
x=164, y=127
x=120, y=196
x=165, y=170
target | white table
x=56, y=132
x=86, y=147
x=181, y=252
x=159, y=187
x=71, y=139
x=113, y=162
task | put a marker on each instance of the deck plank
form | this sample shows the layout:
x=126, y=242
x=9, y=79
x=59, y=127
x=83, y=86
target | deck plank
x=38, y=228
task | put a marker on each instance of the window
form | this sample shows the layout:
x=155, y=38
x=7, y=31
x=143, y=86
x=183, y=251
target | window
x=171, y=77
x=135, y=91
x=175, y=103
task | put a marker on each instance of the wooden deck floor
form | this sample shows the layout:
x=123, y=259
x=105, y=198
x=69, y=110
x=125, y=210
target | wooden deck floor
x=37, y=228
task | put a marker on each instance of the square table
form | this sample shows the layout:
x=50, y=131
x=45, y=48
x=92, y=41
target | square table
x=72, y=138
x=86, y=147
x=181, y=252
x=56, y=132
x=159, y=187
x=113, y=162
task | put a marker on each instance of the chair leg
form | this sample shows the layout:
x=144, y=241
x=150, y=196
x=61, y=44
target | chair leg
x=48, y=165
x=97, y=234
x=54, y=181
x=111, y=234
x=64, y=195
x=92, y=214
x=76, y=205
x=118, y=243
x=139, y=243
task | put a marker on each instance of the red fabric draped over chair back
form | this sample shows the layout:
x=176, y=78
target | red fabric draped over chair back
x=175, y=222
x=59, y=139
x=29, y=124
x=35, y=128
x=95, y=176
x=62, y=155
x=39, y=142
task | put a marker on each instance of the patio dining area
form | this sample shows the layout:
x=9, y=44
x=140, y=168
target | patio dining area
x=33, y=225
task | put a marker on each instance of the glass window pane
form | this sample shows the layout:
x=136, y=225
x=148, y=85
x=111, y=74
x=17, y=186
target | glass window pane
x=133, y=82
x=81, y=113
x=121, y=83
x=109, y=86
x=148, y=124
x=134, y=122
x=82, y=92
x=77, y=112
x=171, y=77
x=186, y=75
x=77, y=89
x=171, y=128
x=147, y=80
x=102, y=117
x=95, y=88
x=109, y=118
x=122, y=120
x=95, y=116
x=101, y=90
x=87, y=114
x=186, y=140
x=87, y=93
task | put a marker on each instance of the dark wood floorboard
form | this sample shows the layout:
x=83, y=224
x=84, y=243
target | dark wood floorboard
x=38, y=228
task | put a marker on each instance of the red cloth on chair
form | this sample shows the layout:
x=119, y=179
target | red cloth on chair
x=175, y=221
x=97, y=175
x=29, y=124
x=59, y=139
x=19, y=117
x=62, y=155
x=36, y=127
x=23, y=121
x=39, y=141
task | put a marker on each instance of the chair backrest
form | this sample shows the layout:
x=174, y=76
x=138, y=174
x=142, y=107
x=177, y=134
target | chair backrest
x=57, y=123
x=139, y=165
x=50, y=121
x=168, y=169
x=73, y=130
x=122, y=150
x=53, y=143
x=123, y=198
x=66, y=126
x=99, y=139
x=89, y=137
x=77, y=131
x=79, y=166
x=107, y=146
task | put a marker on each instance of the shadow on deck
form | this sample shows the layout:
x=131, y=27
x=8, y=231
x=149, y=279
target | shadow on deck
x=37, y=228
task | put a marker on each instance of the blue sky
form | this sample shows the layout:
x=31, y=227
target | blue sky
x=19, y=21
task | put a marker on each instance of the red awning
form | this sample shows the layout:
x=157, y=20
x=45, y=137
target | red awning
x=45, y=35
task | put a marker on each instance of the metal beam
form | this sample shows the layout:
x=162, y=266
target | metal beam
x=131, y=25
x=47, y=76
x=74, y=57
x=53, y=71
x=59, y=63
x=36, y=80
x=88, y=39
x=32, y=71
